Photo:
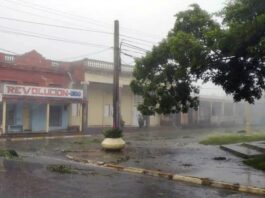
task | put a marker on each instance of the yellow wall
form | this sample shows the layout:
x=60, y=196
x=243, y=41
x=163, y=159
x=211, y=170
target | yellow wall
x=127, y=105
x=95, y=106
x=100, y=94
x=75, y=120
x=106, y=78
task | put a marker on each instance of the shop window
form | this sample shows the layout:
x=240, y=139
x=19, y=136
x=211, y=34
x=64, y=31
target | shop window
x=56, y=116
x=108, y=110
x=228, y=109
x=216, y=108
x=11, y=112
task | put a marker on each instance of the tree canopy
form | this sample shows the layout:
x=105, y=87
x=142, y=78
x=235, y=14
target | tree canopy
x=230, y=55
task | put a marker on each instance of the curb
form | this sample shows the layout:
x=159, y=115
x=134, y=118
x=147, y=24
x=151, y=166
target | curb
x=42, y=138
x=175, y=177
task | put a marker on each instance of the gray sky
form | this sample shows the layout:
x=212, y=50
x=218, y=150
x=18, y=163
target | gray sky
x=145, y=19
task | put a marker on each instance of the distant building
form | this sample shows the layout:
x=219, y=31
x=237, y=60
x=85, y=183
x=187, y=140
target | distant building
x=218, y=111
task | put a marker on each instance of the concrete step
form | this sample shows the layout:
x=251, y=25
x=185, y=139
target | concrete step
x=259, y=146
x=241, y=151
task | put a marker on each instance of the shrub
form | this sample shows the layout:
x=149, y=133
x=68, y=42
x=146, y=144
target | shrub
x=113, y=133
x=60, y=168
x=8, y=154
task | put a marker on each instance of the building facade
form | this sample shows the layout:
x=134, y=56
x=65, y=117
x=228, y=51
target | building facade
x=35, y=95
x=41, y=95
x=99, y=80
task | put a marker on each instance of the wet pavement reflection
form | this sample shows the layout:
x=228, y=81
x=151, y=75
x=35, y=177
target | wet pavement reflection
x=169, y=150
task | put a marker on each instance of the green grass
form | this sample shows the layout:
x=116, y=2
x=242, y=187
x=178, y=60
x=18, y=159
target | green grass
x=257, y=163
x=63, y=169
x=8, y=154
x=220, y=139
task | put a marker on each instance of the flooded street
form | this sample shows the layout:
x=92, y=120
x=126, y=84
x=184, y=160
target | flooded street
x=169, y=150
x=30, y=180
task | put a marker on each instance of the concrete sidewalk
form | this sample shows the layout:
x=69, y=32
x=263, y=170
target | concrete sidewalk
x=41, y=136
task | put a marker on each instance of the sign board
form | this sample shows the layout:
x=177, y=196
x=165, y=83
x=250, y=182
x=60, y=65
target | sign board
x=21, y=90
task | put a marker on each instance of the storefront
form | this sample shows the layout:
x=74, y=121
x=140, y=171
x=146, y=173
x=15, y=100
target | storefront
x=38, y=109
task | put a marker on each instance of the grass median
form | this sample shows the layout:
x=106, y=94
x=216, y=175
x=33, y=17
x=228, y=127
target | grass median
x=221, y=139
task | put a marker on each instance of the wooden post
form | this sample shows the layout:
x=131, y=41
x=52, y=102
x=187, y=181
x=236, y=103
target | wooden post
x=85, y=108
x=116, y=101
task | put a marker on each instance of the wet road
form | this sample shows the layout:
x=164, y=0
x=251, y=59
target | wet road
x=168, y=150
x=28, y=179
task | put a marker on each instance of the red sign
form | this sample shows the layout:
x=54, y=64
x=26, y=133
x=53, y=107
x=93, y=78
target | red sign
x=20, y=90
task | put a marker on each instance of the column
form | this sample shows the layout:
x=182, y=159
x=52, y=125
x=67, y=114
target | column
x=4, y=117
x=80, y=116
x=47, y=118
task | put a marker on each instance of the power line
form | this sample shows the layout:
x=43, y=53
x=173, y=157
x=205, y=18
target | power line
x=53, y=25
x=34, y=14
x=126, y=63
x=70, y=15
x=48, y=37
x=135, y=47
x=133, y=51
x=129, y=55
x=87, y=55
x=4, y=50
x=140, y=43
x=66, y=14
x=138, y=39
x=52, y=11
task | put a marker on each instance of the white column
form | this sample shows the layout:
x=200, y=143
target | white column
x=4, y=117
x=47, y=117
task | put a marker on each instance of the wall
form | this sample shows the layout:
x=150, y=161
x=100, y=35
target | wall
x=95, y=106
x=107, y=78
x=100, y=98
x=127, y=105
x=75, y=119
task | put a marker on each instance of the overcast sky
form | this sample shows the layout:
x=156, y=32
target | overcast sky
x=147, y=20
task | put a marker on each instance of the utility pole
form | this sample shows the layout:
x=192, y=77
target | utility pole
x=116, y=72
